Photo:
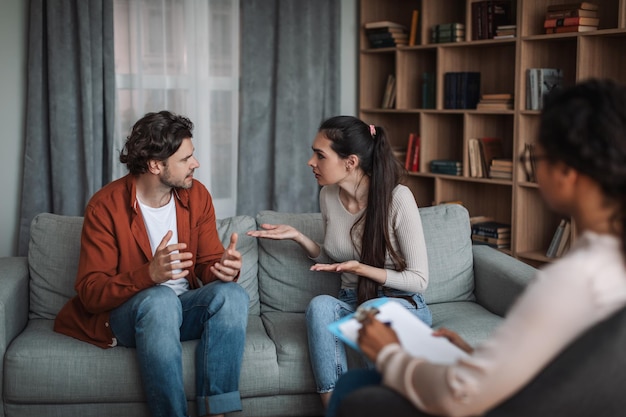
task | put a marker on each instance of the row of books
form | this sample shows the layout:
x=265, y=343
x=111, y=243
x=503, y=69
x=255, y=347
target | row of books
x=486, y=159
x=386, y=34
x=447, y=32
x=488, y=15
x=539, y=83
x=560, y=240
x=487, y=231
x=571, y=17
x=461, y=90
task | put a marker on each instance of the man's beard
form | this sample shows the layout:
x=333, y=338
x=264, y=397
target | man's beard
x=166, y=180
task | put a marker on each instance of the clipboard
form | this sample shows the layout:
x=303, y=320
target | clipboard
x=415, y=335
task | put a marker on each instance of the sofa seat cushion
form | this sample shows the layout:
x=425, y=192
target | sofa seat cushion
x=54, y=249
x=473, y=322
x=44, y=367
x=288, y=331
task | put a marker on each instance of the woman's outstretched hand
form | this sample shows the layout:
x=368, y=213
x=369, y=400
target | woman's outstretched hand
x=275, y=231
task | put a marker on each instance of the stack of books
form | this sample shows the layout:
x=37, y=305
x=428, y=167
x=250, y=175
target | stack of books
x=482, y=151
x=447, y=32
x=501, y=168
x=539, y=83
x=489, y=15
x=572, y=17
x=486, y=231
x=560, y=240
x=496, y=101
x=461, y=90
x=386, y=34
x=446, y=166
x=505, y=32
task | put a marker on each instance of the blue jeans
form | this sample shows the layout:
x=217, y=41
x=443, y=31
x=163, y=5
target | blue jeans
x=327, y=352
x=155, y=322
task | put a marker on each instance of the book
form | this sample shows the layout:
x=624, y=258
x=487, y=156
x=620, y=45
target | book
x=569, y=29
x=559, y=14
x=415, y=336
x=556, y=239
x=461, y=90
x=446, y=166
x=383, y=24
x=413, y=32
x=415, y=163
x=387, y=102
x=571, y=21
x=564, y=242
x=409, y=152
x=491, y=228
x=540, y=82
x=584, y=5
x=428, y=90
x=492, y=240
x=486, y=16
x=475, y=163
x=490, y=148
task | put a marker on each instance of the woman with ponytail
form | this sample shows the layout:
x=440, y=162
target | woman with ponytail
x=560, y=349
x=373, y=236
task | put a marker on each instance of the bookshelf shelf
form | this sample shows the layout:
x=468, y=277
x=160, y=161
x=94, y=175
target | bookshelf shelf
x=503, y=64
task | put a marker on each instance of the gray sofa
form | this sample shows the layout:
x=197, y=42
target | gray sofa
x=48, y=374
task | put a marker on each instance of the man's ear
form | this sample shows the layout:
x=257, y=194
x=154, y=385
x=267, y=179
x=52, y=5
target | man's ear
x=155, y=166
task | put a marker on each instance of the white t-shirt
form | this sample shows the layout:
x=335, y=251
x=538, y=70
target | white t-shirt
x=158, y=222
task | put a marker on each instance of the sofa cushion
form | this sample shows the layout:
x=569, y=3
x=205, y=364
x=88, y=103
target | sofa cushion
x=285, y=281
x=54, y=249
x=450, y=260
x=45, y=367
x=53, y=253
x=249, y=251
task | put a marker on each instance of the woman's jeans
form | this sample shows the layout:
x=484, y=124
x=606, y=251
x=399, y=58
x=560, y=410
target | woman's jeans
x=156, y=321
x=328, y=354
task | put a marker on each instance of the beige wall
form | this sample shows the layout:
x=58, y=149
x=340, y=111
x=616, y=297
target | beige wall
x=13, y=35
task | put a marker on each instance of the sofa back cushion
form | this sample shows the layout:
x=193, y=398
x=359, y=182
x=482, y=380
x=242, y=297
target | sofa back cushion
x=285, y=281
x=450, y=261
x=54, y=249
x=53, y=252
x=287, y=284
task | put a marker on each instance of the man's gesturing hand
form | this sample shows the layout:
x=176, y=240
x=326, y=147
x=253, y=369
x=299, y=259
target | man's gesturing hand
x=227, y=269
x=169, y=262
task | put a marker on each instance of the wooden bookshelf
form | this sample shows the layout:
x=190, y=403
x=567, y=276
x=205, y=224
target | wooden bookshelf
x=503, y=64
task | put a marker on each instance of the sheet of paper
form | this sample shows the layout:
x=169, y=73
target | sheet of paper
x=415, y=336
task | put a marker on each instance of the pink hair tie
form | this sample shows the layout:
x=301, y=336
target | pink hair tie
x=373, y=130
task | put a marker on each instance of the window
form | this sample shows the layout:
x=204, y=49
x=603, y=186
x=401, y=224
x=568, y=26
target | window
x=183, y=56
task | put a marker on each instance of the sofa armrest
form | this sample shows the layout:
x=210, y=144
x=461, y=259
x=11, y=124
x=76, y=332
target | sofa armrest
x=13, y=299
x=498, y=278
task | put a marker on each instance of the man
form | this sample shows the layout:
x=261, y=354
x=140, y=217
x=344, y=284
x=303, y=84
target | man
x=153, y=273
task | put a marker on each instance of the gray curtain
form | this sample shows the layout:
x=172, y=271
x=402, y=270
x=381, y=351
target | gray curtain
x=70, y=107
x=289, y=84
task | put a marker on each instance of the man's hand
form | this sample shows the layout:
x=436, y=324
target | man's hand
x=374, y=335
x=169, y=262
x=227, y=269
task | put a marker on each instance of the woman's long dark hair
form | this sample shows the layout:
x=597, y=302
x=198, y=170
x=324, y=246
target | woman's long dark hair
x=585, y=127
x=352, y=136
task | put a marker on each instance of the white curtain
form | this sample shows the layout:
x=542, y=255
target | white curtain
x=183, y=56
